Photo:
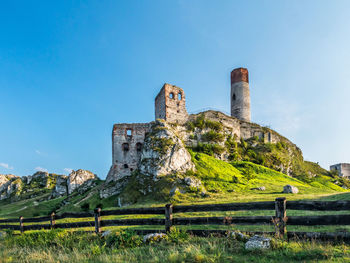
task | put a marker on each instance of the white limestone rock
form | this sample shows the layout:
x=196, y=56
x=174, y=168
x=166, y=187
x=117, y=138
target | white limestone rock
x=12, y=185
x=78, y=178
x=164, y=153
x=261, y=188
x=258, y=243
x=155, y=237
x=193, y=182
x=2, y=235
x=289, y=189
x=238, y=236
x=61, y=187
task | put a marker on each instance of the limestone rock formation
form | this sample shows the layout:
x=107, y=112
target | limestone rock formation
x=78, y=178
x=61, y=187
x=164, y=152
x=289, y=189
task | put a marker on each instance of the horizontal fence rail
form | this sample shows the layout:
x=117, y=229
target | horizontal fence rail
x=280, y=220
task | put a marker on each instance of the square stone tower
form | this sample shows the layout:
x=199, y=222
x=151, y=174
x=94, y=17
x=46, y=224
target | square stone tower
x=170, y=104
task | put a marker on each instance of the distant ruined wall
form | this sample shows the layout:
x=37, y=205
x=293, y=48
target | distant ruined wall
x=170, y=104
x=127, y=143
x=342, y=168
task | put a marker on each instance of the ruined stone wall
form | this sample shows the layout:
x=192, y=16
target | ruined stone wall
x=127, y=141
x=342, y=168
x=240, y=94
x=170, y=104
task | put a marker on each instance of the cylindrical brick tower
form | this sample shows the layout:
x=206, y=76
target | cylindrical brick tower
x=240, y=95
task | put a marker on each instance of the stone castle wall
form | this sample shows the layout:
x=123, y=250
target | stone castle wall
x=127, y=143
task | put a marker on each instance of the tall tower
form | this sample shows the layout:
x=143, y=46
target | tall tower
x=170, y=104
x=240, y=95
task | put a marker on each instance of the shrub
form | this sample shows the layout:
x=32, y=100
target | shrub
x=123, y=239
x=214, y=125
x=177, y=236
x=209, y=149
x=235, y=179
x=249, y=173
x=212, y=136
x=190, y=126
x=85, y=207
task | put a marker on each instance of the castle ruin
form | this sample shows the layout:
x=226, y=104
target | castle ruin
x=343, y=169
x=170, y=105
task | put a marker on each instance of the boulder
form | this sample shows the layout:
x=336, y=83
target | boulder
x=155, y=237
x=77, y=178
x=174, y=191
x=289, y=189
x=238, y=236
x=2, y=235
x=258, y=242
x=106, y=233
x=261, y=188
x=193, y=182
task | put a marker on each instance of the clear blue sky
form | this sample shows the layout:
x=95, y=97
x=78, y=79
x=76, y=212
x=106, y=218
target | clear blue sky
x=69, y=70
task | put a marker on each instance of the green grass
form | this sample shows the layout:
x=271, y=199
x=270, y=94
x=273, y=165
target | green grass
x=66, y=246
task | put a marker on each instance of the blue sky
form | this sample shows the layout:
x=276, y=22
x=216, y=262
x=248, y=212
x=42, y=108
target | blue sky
x=69, y=70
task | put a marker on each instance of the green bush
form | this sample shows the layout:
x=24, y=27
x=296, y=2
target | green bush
x=123, y=239
x=209, y=148
x=177, y=236
x=214, y=125
x=85, y=207
x=212, y=136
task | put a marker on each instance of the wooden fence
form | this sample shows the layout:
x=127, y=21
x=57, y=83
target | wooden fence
x=280, y=220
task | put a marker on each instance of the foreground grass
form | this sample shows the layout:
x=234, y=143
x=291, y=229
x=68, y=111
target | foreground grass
x=63, y=246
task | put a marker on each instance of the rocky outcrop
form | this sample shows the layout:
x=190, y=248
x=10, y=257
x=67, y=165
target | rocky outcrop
x=164, y=153
x=4, y=178
x=10, y=185
x=61, y=187
x=78, y=178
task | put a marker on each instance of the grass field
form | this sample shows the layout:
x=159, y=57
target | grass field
x=64, y=246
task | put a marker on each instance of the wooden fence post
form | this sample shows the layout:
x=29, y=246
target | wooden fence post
x=280, y=219
x=98, y=220
x=21, y=228
x=52, y=221
x=168, y=217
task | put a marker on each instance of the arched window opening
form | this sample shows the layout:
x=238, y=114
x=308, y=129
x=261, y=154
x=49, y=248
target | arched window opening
x=139, y=147
x=125, y=147
x=171, y=95
x=234, y=97
x=126, y=166
x=179, y=96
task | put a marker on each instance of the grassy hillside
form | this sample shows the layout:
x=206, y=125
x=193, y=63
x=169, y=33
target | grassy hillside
x=223, y=182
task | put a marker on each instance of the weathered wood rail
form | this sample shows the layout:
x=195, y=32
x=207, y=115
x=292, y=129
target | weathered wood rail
x=280, y=220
